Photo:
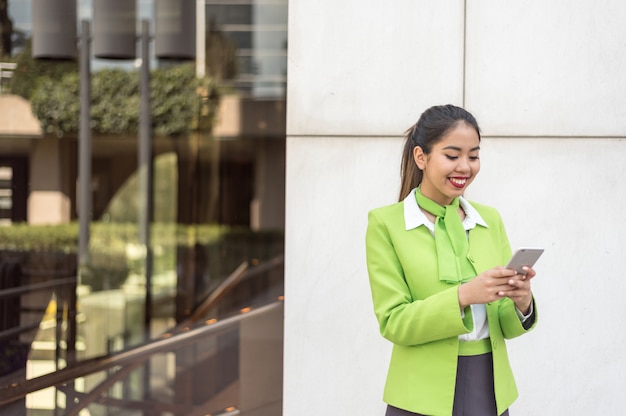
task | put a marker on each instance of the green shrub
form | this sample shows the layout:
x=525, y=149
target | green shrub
x=112, y=258
x=179, y=101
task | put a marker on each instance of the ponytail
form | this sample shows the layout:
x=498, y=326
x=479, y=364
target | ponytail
x=411, y=175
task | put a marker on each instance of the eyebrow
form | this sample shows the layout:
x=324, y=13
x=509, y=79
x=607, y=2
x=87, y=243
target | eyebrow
x=459, y=149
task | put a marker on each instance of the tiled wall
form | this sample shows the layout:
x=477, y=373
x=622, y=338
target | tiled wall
x=546, y=82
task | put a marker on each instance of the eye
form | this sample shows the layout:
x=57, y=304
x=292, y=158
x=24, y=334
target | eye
x=474, y=158
x=452, y=157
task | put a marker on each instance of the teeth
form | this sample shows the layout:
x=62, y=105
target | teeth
x=458, y=181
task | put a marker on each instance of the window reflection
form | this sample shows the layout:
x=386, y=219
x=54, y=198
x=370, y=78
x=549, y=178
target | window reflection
x=6, y=194
x=76, y=341
x=258, y=32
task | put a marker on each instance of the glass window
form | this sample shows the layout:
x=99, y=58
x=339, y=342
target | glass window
x=188, y=321
x=6, y=194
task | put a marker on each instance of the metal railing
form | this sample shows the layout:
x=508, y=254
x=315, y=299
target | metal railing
x=128, y=360
x=62, y=286
x=119, y=365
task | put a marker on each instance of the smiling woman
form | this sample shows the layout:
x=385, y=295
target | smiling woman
x=434, y=125
x=435, y=268
x=452, y=163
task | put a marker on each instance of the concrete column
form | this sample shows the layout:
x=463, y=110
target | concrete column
x=267, y=211
x=47, y=203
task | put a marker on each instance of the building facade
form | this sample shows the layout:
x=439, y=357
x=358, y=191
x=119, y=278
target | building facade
x=545, y=82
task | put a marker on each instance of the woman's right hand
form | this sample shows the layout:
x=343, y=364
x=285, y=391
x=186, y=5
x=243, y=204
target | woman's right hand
x=488, y=286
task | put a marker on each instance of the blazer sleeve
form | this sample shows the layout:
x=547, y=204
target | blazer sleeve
x=508, y=317
x=402, y=319
x=510, y=322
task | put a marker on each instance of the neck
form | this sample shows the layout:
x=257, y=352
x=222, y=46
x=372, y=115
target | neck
x=439, y=199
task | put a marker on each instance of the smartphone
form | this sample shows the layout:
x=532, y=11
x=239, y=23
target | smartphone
x=525, y=256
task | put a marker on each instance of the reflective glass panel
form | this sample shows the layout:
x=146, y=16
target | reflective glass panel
x=176, y=307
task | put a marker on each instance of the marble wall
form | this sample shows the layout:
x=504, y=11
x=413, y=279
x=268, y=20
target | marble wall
x=546, y=82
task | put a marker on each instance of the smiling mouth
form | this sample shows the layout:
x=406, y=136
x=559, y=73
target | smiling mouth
x=458, y=182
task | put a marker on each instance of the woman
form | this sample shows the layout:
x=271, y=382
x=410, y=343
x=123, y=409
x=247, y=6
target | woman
x=440, y=293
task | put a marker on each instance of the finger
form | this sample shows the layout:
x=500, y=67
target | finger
x=502, y=284
x=515, y=295
x=514, y=287
x=502, y=295
x=519, y=281
x=507, y=290
x=530, y=272
x=503, y=273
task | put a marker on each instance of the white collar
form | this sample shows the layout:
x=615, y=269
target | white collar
x=414, y=217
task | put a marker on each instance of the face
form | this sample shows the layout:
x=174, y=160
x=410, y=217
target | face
x=451, y=165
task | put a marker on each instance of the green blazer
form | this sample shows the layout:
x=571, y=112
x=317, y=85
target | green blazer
x=420, y=314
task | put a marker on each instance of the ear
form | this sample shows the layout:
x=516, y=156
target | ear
x=419, y=157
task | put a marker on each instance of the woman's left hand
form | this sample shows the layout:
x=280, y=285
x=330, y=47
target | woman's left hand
x=521, y=294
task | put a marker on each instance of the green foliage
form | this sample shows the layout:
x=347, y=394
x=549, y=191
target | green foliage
x=174, y=100
x=62, y=116
x=114, y=102
x=25, y=237
x=30, y=72
x=116, y=253
x=179, y=100
x=114, y=237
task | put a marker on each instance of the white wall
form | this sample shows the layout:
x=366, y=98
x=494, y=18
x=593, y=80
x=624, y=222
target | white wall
x=545, y=82
x=564, y=195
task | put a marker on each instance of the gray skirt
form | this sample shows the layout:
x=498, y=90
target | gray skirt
x=473, y=395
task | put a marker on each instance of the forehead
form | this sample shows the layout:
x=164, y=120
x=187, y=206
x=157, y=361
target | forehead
x=461, y=136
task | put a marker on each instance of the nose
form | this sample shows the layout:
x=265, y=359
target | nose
x=463, y=164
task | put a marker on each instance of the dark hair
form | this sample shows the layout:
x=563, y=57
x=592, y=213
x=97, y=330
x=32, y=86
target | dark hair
x=432, y=125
